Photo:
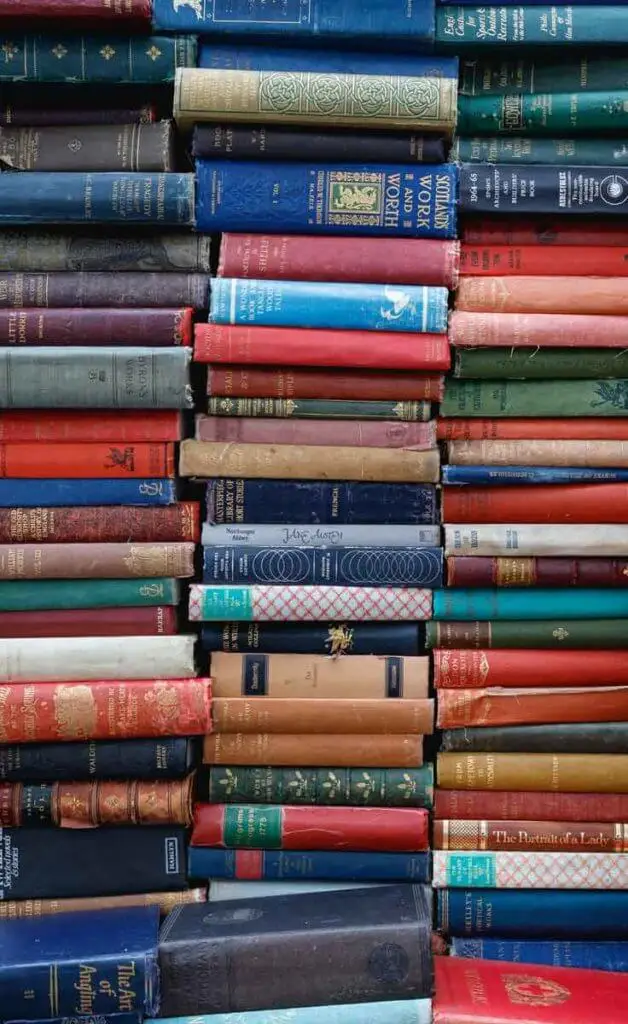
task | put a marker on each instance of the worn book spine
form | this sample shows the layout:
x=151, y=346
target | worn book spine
x=512, y=706
x=56, y=250
x=104, y=561
x=56, y=493
x=529, y=363
x=38, y=712
x=165, y=901
x=73, y=326
x=541, y=188
x=121, y=290
x=403, y=640
x=373, y=787
x=307, y=462
x=73, y=658
x=321, y=409
x=321, y=677
x=481, y=475
x=555, y=112
x=342, y=502
x=264, y=55
x=534, y=398
x=529, y=74
x=101, y=198
x=470, y=668
x=529, y=836
x=373, y=200
x=600, y=956
x=333, y=536
x=400, y=1011
x=519, y=805
x=86, y=804
x=134, y=59
x=537, y=603
x=587, y=634
x=232, y=95
x=272, y=749
x=468, y=25
x=132, y=147
x=323, y=304
x=543, y=231
x=345, y=566
x=584, y=429
x=495, y=329
x=79, y=460
x=88, y=427
x=563, y=773
x=548, y=295
x=259, y=602
x=40, y=595
x=539, y=452
x=96, y=525
x=512, y=149
x=243, y=716
x=357, y=433
x=99, y=10
x=93, y=862
x=299, y=258
x=389, y=830
x=536, y=539
x=540, y=260
x=168, y=757
x=267, y=346
x=538, y=870
x=539, y=914
x=564, y=738
x=206, y=862
x=306, y=382
x=537, y=505
x=18, y=113
x=89, y=622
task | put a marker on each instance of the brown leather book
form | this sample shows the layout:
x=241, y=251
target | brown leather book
x=313, y=751
x=330, y=717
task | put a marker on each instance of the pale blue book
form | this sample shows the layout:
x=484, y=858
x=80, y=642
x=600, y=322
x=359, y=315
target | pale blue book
x=396, y=1011
x=269, y=535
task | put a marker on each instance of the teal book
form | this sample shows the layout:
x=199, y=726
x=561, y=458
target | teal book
x=538, y=398
x=41, y=595
x=555, y=113
x=396, y=1011
x=584, y=152
x=531, y=73
x=112, y=60
x=463, y=26
x=530, y=603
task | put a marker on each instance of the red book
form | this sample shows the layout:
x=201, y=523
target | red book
x=591, y=296
x=88, y=461
x=473, y=571
x=100, y=523
x=492, y=992
x=550, y=330
x=158, y=620
x=369, y=260
x=267, y=346
x=477, y=668
x=63, y=425
x=533, y=429
x=472, y=804
x=349, y=433
x=302, y=382
x=81, y=10
x=99, y=710
x=389, y=829
x=549, y=231
x=572, y=503
x=504, y=706
x=591, y=261
x=153, y=327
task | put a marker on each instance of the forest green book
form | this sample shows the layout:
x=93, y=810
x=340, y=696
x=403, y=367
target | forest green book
x=531, y=73
x=542, y=634
x=504, y=149
x=538, y=398
x=41, y=595
x=541, y=363
x=317, y=409
x=574, y=113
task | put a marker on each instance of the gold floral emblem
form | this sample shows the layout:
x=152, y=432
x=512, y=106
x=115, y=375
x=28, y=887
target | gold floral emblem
x=76, y=714
x=528, y=990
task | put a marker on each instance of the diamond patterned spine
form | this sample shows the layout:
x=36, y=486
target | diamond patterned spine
x=308, y=604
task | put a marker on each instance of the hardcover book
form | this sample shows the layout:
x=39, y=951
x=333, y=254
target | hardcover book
x=393, y=1011
x=167, y=757
x=264, y=603
x=599, y=956
x=111, y=60
x=400, y=640
x=62, y=659
x=301, y=536
x=467, y=25
x=205, y=862
x=320, y=786
x=532, y=870
x=542, y=188
x=534, y=913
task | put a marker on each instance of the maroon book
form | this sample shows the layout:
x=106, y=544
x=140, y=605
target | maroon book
x=154, y=621
x=78, y=10
x=153, y=327
x=472, y=571
x=21, y=291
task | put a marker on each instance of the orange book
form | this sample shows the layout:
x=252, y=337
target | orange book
x=547, y=503
x=513, y=706
x=315, y=716
x=600, y=296
x=114, y=425
x=533, y=429
x=89, y=461
x=313, y=751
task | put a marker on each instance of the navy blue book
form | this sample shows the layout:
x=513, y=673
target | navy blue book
x=402, y=639
x=534, y=913
x=594, y=956
x=101, y=1018
x=206, y=862
x=329, y=199
x=541, y=188
x=169, y=757
x=91, y=862
x=317, y=501
x=59, y=493
x=531, y=475
x=102, y=961
x=249, y=57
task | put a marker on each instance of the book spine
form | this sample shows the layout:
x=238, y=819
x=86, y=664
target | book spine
x=50, y=251
x=240, y=717
x=563, y=773
x=314, y=304
x=293, y=257
x=565, y=870
x=279, y=143
x=543, y=231
x=599, y=956
x=536, y=398
x=513, y=330
x=19, y=114
x=258, y=864
x=132, y=147
x=215, y=52
x=500, y=706
x=344, y=566
x=307, y=462
x=303, y=382
x=528, y=604
x=550, y=113
x=370, y=200
x=540, y=504
x=582, y=738
x=541, y=453
x=134, y=59
x=211, y=94
x=521, y=805
x=540, y=914
x=343, y=502
x=40, y=595
x=504, y=260
x=154, y=327
x=372, y=787
x=360, y=433
x=539, y=189
x=88, y=427
x=470, y=668
x=101, y=198
x=306, y=604
x=525, y=74
x=513, y=150
x=388, y=350
x=466, y=25
x=536, y=539
x=276, y=750
x=360, y=536
x=116, y=561
x=533, y=429
x=157, y=621
x=140, y=759
x=355, y=829
x=99, y=10
x=102, y=658
x=334, y=638
x=72, y=460
x=320, y=408
x=596, y=837
x=475, y=475
x=120, y=290
x=86, y=804
x=179, y=523
x=478, y=571
x=165, y=901
x=542, y=634
x=110, y=491
x=524, y=363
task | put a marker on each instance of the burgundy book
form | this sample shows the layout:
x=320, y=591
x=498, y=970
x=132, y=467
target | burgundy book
x=154, y=621
x=471, y=571
x=358, y=433
x=305, y=382
x=98, y=524
x=506, y=805
x=113, y=11
x=19, y=291
x=154, y=327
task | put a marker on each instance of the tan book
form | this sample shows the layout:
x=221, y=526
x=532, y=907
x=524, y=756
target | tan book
x=330, y=717
x=313, y=751
x=538, y=453
x=557, y=773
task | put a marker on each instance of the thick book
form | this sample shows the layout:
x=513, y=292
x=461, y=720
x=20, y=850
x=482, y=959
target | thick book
x=301, y=536
x=543, y=231
x=321, y=787
x=105, y=289
x=51, y=250
x=530, y=364
x=133, y=378
x=44, y=325
x=103, y=962
x=534, y=913
x=92, y=862
x=536, y=633
x=401, y=640
x=89, y=622
x=541, y=505
x=465, y=669
x=526, y=260
x=352, y=386
x=517, y=603
x=51, y=660
x=311, y=502
x=365, y=433
x=83, y=461
x=348, y=829
x=511, y=706
x=165, y=902
x=588, y=837
x=544, y=994
x=319, y=947
x=546, y=295
x=522, y=805
x=475, y=475
x=205, y=862
x=39, y=595
x=118, y=59
x=317, y=198
x=545, y=113
x=537, y=539
x=538, y=25
x=540, y=452
x=88, y=804
x=535, y=398
x=167, y=757
x=102, y=710
x=92, y=527
x=394, y=1011
x=531, y=73
x=314, y=750
x=540, y=328
x=512, y=149
x=131, y=147
x=323, y=408
x=599, y=956
x=564, y=738
x=102, y=198
x=88, y=427
x=260, y=602
x=235, y=719
x=54, y=561
x=322, y=677
x=563, y=773
x=542, y=188
x=516, y=869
